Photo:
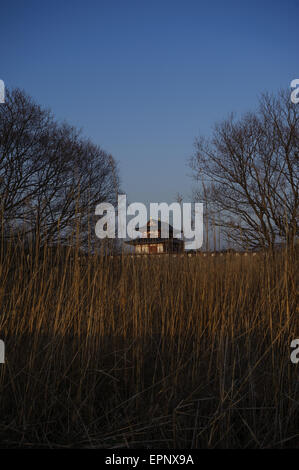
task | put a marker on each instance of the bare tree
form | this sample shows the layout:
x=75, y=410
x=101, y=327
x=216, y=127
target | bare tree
x=51, y=178
x=248, y=174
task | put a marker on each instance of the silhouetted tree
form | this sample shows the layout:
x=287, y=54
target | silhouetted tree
x=248, y=174
x=51, y=178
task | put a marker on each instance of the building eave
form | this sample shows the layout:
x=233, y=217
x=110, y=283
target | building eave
x=150, y=241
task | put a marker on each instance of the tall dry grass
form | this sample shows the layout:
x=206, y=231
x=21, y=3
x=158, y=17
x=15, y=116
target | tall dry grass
x=147, y=352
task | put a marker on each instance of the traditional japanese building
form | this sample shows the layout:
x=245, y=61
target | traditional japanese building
x=152, y=241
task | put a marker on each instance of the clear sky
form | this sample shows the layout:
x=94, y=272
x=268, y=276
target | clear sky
x=144, y=78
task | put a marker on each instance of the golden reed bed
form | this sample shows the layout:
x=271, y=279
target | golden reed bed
x=167, y=353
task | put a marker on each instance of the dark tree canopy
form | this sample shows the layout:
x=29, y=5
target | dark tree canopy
x=247, y=174
x=51, y=178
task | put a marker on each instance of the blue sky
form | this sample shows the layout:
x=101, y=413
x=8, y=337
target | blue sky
x=143, y=79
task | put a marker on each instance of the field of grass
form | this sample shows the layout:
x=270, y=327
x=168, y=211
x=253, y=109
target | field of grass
x=147, y=352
